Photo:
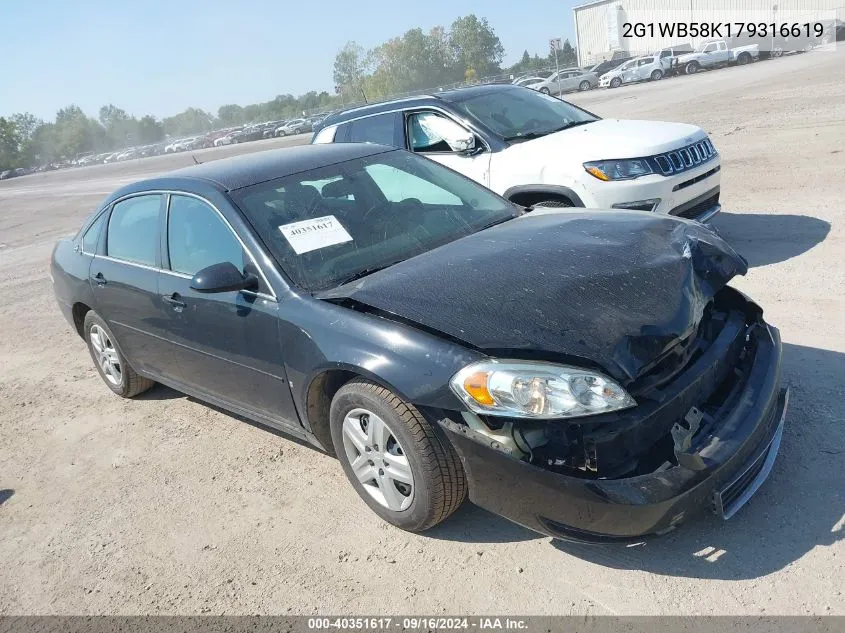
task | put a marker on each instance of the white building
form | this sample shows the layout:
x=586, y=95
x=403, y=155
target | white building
x=600, y=25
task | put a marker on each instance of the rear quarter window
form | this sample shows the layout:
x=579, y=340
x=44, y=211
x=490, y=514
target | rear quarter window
x=380, y=129
x=92, y=235
x=133, y=230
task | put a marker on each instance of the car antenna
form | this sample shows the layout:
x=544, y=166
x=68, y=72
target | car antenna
x=196, y=162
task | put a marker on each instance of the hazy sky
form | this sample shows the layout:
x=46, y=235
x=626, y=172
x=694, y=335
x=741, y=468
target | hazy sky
x=159, y=57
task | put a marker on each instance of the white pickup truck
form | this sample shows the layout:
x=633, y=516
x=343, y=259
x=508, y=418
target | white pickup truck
x=715, y=53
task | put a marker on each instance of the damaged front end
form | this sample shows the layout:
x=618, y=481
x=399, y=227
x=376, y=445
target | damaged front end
x=703, y=435
x=688, y=369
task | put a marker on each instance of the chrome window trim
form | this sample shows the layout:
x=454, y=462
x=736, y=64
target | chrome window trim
x=171, y=192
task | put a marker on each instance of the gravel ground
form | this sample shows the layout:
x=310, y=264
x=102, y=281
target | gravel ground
x=166, y=505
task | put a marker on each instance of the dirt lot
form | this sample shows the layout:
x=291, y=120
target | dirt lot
x=165, y=505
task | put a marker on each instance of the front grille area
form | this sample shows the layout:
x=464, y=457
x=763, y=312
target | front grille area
x=680, y=160
x=696, y=210
x=697, y=179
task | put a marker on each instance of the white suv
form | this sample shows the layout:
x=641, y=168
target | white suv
x=537, y=150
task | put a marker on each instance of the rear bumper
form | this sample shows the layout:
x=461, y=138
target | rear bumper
x=724, y=472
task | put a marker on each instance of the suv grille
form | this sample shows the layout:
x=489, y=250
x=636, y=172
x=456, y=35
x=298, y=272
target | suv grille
x=685, y=158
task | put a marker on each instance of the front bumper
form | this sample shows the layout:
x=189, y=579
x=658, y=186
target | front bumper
x=720, y=475
x=679, y=194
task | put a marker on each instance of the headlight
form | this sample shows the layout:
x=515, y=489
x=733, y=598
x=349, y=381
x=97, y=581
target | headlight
x=624, y=169
x=537, y=390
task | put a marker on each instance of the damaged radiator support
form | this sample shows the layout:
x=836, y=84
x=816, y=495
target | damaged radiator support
x=678, y=407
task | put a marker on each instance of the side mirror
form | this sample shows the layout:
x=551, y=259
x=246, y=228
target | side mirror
x=457, y=137
x=223, y=277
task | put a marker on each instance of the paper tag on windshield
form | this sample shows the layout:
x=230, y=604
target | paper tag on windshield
x=310, y=235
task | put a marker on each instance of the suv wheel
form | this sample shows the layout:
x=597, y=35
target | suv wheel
x=398, y=463
x=109, y=361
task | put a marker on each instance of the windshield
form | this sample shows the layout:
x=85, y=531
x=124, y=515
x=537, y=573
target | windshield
x=331, y=225
x=515, y=114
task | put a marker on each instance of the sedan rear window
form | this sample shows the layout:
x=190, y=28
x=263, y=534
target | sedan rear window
x=330, y=225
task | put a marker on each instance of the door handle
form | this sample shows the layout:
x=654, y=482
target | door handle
x=100, y=279
x=175, y=301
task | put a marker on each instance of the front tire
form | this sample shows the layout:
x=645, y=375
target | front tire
x=545, y=91
x=398, y=463
x=110, y=362
x=615, y=82
x=692, y=68
x=584, y=86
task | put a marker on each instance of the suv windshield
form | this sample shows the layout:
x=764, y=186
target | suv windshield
x=331, y=225
x=523, y=114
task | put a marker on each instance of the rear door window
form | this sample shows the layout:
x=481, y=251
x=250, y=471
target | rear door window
x=133, y=230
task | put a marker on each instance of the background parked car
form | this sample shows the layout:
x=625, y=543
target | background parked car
x=609, y=64
x=649, y=68
x=296, y=126
x=527, y=81
x=566, y=80
x=715, y=53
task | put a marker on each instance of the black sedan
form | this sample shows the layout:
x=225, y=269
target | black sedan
x=587, y=374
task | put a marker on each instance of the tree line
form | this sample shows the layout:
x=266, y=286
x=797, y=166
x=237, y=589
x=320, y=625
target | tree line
x=467, y=51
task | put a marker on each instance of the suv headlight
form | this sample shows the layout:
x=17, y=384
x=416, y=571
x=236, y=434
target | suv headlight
x=537, y=390
x=624, y=169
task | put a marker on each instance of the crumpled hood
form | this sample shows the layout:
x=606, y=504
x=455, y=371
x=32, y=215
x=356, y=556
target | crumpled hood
x=614, y=138
x=614, y=288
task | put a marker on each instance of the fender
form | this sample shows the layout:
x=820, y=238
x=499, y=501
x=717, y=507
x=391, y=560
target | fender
x=374, y=346
x=558, y=190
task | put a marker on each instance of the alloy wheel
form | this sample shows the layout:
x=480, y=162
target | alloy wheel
x=107, y=357
x=378, y=460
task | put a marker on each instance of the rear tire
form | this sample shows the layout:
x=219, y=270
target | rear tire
x=409, y=445
x=545, y=91
x=743, y=59
x=656, y=75
x=615, y=82
x=110, y=362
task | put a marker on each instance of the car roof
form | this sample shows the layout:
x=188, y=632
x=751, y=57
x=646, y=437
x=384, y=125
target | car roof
x=228, y=174
x=450, y=96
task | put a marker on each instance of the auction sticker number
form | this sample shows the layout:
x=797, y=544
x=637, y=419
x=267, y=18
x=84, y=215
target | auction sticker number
x=311, y=235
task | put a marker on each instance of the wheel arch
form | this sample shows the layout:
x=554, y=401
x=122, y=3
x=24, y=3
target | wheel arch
x=526, y=195
x=79, y=310
x=323, y=386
